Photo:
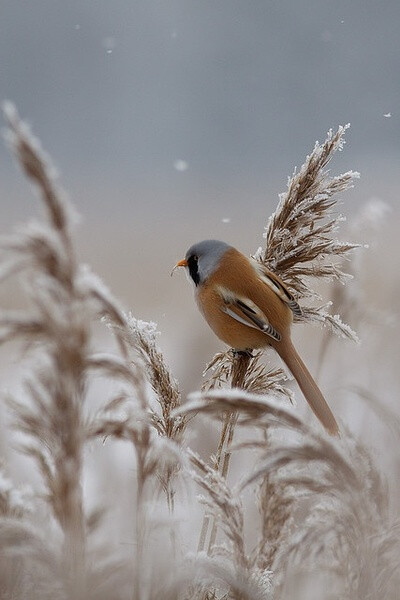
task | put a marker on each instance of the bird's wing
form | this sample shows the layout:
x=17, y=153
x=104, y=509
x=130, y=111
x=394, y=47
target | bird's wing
x=245, y=311
x=277, y=286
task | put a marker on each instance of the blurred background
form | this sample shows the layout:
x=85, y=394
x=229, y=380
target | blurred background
x=176, y=121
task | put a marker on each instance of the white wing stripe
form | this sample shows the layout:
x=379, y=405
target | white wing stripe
x=235, y=316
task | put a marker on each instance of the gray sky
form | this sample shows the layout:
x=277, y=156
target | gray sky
x=119, y=90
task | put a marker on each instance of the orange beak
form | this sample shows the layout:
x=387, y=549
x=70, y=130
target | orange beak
x=181, y=263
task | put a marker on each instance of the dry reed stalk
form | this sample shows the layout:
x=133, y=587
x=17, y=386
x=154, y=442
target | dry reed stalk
x=14, y=508
x=156, y=458
x=245, y=372
x=224, y=504
x=273, y=503
x=236, y=373
x=226, y=507
x=65, y=298
x=138, y=432
x=349, y=529
x=57, y=428
x=140, y=339
x=275, y=508
x=299, y=240
x=157, y=454
x=240, y=365
x=350, y=526
x=315, y=467
x=299, y=233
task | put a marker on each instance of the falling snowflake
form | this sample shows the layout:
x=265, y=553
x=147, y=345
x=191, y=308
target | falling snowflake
x=180, y=165
x=108, y=44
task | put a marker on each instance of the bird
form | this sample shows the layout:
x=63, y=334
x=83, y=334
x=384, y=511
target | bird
x=249, y=307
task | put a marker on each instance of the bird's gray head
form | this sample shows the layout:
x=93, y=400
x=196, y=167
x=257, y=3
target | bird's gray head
x=203, y=258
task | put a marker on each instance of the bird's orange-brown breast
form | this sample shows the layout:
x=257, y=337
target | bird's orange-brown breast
x=235, y=272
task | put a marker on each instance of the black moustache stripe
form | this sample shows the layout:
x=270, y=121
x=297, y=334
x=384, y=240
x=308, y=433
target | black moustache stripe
x=193, y=269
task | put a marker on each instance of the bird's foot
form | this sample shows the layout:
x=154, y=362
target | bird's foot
x=244, y=353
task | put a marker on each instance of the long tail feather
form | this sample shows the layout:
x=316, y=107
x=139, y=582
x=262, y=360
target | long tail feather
x=311, y=391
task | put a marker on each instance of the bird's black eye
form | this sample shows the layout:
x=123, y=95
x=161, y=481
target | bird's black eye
x=193, y=268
